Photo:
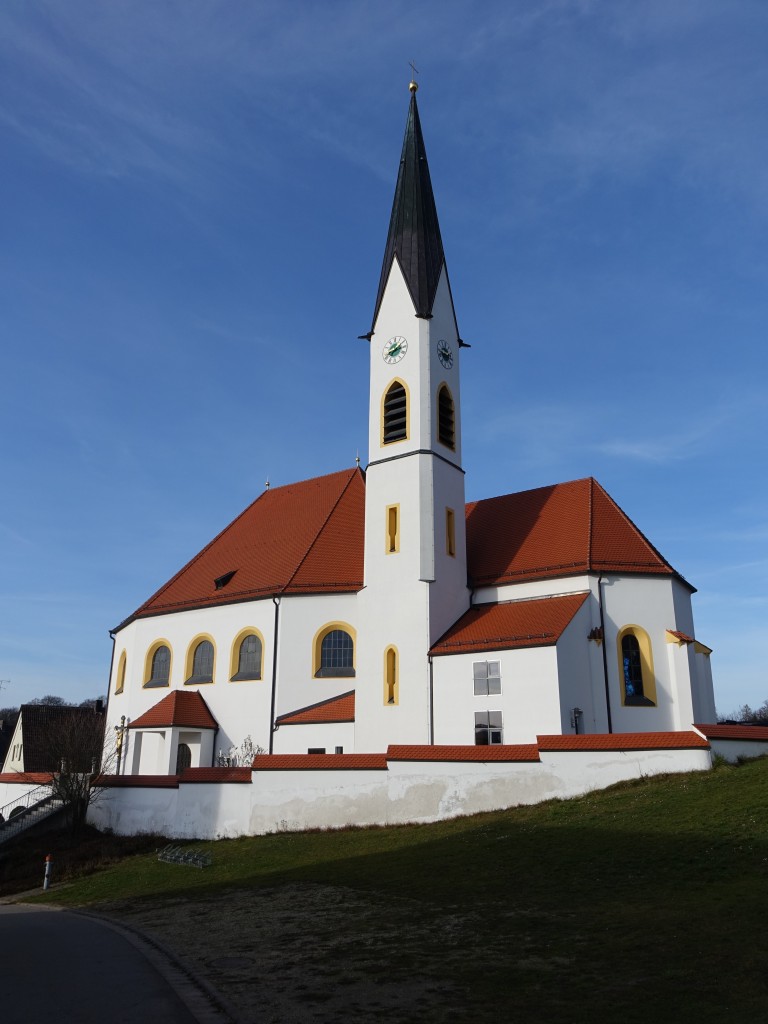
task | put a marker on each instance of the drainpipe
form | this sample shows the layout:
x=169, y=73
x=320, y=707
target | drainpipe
x=109, y=694
x=109, y=681
x=431, y=703
x=605, y=655
x=276, y=601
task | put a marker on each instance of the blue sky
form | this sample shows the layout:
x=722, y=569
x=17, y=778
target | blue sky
x=195, y=202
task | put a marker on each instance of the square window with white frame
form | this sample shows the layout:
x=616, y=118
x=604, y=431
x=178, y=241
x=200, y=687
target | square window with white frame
x=487, y=677
x=488, y=731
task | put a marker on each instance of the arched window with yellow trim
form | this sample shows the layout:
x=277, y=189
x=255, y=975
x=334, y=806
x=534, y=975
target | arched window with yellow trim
x=247, y=657
x=638, y=681
x=157, y=670
x=395, y=413
x=200, y=659
x=120, y=677
x=334, y=651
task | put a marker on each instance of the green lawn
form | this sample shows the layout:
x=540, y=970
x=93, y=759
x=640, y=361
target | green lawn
x=648, y=900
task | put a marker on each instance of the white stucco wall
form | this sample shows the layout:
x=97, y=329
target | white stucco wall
x=529, y=700
x=579, y=668
x=407, y=791
x=13, y=793
x=736, y=750
x=292, y=739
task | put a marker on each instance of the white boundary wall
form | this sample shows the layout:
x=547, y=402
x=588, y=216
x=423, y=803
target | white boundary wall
x=406, y=791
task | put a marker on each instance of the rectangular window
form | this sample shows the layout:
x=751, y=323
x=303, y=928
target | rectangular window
x=450, y=533
x=316, y=750
x=393, y=529
x=488, y=728
x=339, y=750
x=487, y=677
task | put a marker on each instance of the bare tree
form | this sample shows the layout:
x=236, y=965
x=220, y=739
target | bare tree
x=747, y=715
x=73, y=740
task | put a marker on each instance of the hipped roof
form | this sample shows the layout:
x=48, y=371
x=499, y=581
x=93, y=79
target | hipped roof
x=308, y=537
x=185, y=708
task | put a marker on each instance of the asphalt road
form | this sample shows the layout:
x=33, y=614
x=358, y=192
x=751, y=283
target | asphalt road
x=62, y=968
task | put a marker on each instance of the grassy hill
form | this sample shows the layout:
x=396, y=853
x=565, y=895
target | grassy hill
x=645, y=901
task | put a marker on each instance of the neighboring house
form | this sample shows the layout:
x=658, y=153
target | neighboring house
x=360, y=610
x=7, y=727
x=46, y=734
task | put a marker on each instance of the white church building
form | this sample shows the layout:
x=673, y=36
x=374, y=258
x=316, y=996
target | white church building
x=365, y=619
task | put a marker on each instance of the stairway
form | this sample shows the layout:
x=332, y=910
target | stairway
x=21, y=814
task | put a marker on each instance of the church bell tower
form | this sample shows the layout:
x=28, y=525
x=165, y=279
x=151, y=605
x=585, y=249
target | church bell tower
x=415, y=540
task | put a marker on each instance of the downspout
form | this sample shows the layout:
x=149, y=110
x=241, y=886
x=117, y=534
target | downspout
x=106, y=709
x=605, y=655
x=276, y=601
x=431, y=703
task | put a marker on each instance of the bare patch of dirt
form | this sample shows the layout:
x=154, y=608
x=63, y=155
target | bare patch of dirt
x=314, y=954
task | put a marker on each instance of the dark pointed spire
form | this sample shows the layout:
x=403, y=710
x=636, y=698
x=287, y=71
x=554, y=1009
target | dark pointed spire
x=414, y=233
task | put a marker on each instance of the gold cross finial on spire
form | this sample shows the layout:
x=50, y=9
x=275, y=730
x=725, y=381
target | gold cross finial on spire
x=414, y=85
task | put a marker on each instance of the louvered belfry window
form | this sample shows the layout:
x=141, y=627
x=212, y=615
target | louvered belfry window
x=446, y=429
x=395, y=414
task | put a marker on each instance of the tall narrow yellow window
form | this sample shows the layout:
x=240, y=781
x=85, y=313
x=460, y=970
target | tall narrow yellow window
x=391, y=689
x=393, y=529
x=450, y=533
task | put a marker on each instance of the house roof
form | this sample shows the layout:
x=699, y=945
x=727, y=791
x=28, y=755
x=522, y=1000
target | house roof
x=179, y=707
x=50, y=732
x=298, y=539
x=414, y=233
x=497, y=627
x=335, y=709
x=560, y=530
x=308, y=538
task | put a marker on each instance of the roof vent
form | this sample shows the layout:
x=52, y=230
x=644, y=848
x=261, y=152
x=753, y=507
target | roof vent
x=221, y=581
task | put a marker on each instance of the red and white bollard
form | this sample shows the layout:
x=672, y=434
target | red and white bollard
x=48, y=869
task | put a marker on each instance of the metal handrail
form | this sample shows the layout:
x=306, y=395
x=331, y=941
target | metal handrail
x=27, y=800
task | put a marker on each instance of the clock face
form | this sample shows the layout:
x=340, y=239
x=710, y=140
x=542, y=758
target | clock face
x=445, y=354
x=394, y=350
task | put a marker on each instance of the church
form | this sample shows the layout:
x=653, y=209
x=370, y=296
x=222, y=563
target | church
x=375, y=610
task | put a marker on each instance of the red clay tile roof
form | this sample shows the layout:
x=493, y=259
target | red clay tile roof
x=438, y=752
x=194, y=775
x=498, y=627
x=299, y=539
x=555, y=531
x=335, y=709
x=624, y=741
x=180, y=707
x=733, y=732
x=27, y=778
x=308, y=538
x=308, y=762
x=138, y=781
x=215, y=775
x=681, y=636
